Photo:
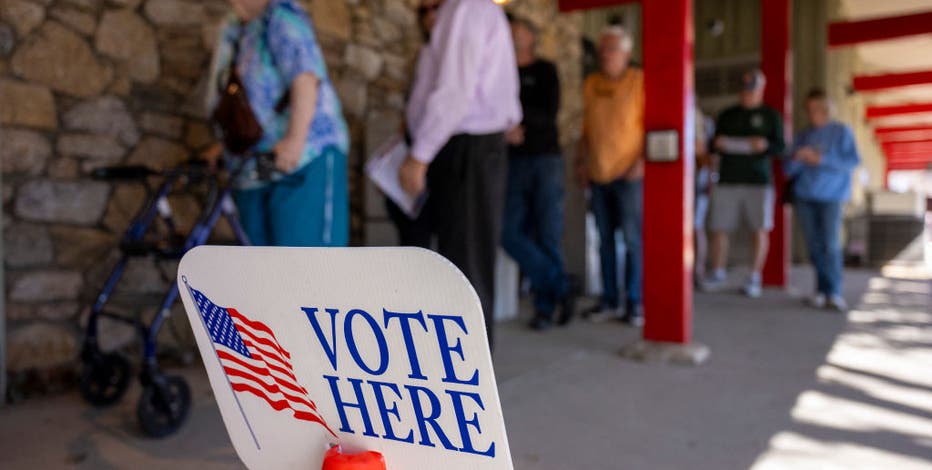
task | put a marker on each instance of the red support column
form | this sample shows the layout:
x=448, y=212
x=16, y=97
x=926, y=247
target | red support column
x=668, y=187
x=777, y=65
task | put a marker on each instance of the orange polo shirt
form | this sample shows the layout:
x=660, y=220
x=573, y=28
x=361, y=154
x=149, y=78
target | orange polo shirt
x=613, y=123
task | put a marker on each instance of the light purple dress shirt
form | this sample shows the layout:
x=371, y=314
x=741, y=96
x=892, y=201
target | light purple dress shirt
x=467, y=78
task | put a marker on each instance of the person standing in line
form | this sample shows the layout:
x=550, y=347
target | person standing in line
x=820, y=167
x=416, y=231
x=533, y=224
x=271, y=47
x=465, y=97
x=610, y=162
x=747, y=136
x=705, y=171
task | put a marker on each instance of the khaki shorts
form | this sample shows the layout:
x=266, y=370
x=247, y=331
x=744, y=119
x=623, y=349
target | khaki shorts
x=732, y=202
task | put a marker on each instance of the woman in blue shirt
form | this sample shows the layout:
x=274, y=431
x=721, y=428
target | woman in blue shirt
x=280, y=63
x=823, y=159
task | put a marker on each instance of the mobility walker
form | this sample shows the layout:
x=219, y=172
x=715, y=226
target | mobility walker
x=166, y=399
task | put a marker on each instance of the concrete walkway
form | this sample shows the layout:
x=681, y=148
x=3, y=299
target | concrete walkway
x=786, y=388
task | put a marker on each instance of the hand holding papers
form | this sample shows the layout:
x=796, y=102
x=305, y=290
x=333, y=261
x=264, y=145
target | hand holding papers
x=413, y=176
x=383, y=170
x=809, y=155
x=741, y=145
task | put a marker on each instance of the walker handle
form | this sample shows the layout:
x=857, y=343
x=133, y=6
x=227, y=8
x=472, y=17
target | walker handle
x=127, y=172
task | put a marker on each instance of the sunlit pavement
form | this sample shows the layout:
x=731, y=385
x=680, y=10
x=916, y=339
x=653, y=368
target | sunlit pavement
x=786, y=388
x=871, y=406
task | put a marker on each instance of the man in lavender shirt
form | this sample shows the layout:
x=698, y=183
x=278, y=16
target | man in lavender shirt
x=465, y=96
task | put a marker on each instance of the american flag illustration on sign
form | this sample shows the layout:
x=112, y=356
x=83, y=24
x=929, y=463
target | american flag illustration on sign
x=253, y=360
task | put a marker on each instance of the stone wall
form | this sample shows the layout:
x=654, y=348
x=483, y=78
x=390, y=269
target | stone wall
x=85, y=83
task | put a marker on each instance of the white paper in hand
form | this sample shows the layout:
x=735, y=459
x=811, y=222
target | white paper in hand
x=383, y=170
x=736, y=145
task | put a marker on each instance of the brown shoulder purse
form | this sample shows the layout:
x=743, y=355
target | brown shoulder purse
x=234, y=115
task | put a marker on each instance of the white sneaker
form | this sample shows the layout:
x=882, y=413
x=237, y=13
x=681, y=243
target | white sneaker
x=715, y=282
x=838, y=304
x=753, y=289
x=817, y=301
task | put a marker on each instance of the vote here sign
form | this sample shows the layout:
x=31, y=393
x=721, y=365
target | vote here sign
x=379, y=349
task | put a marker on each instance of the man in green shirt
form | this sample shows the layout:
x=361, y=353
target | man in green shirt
x=747, y=136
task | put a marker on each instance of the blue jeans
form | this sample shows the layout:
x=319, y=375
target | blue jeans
x=821, y=224
x=532, y=232
x=619, y=205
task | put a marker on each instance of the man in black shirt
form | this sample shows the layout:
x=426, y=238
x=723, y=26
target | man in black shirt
x=533, y=225
x=747, y=136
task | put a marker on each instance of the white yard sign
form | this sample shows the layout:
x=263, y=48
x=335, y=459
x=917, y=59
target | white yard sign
x=379, y=349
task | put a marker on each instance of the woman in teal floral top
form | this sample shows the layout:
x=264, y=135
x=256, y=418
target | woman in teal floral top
x=278, y=56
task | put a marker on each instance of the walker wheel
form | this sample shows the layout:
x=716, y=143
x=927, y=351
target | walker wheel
x=163, y=406
x=104, y=379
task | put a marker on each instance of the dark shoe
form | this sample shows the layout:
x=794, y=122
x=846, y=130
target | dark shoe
x=541, y=323
x=634, y=316
x=606, y=314
x=588, y=312
x=568, y=303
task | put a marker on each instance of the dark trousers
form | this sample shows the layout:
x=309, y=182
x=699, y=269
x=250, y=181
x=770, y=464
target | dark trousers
x=411, y=232
x=533, y=226
x=466, y=184
x=618, y=205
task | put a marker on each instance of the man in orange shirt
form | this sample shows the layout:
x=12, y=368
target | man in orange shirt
x=610, y=163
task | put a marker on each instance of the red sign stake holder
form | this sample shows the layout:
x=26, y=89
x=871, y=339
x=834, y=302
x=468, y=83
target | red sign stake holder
x=337, y=460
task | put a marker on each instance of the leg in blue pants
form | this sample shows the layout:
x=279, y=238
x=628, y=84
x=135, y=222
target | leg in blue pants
x=808, y=214
x=630, y=194
x=821, y=224
x=834, y=257
x=604, y=204
x=547, y=205
x=307, y=208
x=251, y=204
x=619, y=204
x=533, y=226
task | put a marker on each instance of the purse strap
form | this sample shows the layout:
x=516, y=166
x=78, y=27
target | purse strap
x=282, y=104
